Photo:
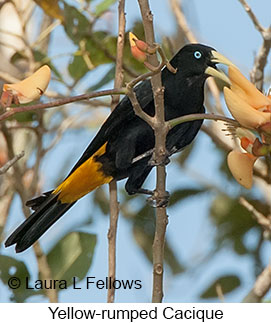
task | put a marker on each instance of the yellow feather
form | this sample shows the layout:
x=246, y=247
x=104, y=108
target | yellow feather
x=83, y=180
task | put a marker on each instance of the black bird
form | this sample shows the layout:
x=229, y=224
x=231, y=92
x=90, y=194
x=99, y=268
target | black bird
x=124, y=136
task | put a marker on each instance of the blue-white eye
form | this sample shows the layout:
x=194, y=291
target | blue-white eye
x=197, y=54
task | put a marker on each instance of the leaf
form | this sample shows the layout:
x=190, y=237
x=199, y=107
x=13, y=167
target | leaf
x=9, y=268
x=77, y=68
x=101, y=47
x=103, y=6
x=76, y=25
x=182, y=194
x=232, y=220
x=228, y=283
x=51, y=8
x=27, y=116
x=72, y=256
x=44, y=59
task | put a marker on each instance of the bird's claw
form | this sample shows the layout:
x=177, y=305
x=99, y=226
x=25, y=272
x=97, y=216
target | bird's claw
x=156, y=200
x=165, y=161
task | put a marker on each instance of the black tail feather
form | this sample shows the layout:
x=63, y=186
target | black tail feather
x=47, y=211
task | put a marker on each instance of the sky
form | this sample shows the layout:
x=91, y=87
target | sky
x=225, y=26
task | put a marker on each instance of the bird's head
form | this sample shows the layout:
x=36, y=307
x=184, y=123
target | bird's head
x=200, y=60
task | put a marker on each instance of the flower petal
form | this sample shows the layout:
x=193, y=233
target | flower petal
x=138, y=54
x=241, y=167
x=32, y=87
x=244, y=113
x=246, y=90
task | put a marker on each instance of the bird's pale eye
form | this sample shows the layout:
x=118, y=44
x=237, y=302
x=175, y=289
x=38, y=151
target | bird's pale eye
x=197, y=54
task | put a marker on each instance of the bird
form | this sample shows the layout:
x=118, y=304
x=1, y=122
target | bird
x=124, y=136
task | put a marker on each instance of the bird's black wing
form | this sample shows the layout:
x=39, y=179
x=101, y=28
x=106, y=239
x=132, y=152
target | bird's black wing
x=122, y=114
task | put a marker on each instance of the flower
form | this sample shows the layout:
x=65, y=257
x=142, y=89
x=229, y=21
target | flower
x=246, y=103
x=241, y=163
x=27, y=90
x=138, y=48
x=252, y=110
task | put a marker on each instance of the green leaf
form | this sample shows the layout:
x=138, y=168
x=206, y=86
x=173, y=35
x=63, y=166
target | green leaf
x=103, y=6
x=11, y=268
x=77, y=68
x=182, y=194
x=227, y=283
x=101, y=47
x=233, y=221
x=76, y=25
x=44, y=59
x=27, y=116
x=72, y=256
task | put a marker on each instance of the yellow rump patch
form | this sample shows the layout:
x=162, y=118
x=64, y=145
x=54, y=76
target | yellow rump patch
x=83, y=180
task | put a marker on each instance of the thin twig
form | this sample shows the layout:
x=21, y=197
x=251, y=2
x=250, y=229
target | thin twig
x=190, y=117
x=257, y=72
x=114, y=204
x=261, y=219
x=252, y=16
x=260, y=288
x=10, y=163
x=40, y=106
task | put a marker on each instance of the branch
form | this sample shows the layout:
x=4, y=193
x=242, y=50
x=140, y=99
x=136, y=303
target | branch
x=199, y=116
x=114, y=204
x=257, y=73
x=10, y=163
x=252, y=16
x=160, y=131
x=261, y=219
x=260, y=288
x=40, y=106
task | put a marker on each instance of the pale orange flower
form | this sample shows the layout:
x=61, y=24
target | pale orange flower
x=246, y=103
x=27, y=90
x=251, y=109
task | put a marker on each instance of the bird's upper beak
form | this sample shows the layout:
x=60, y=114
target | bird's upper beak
x=217, y=58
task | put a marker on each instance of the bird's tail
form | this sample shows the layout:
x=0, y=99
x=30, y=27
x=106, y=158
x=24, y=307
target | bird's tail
x=50, y=206
x=48, y=209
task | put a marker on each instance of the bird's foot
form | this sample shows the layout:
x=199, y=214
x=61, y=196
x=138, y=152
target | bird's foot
x=156, y=200
x=162, y=162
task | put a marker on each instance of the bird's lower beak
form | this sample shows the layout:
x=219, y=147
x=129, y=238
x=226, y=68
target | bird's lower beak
x=218, y=58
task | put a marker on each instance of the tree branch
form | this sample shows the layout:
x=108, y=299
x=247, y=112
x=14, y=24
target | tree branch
x=261, y=219
x=160, y=131
x=252, y=16
x=260, y=288
x=114, y=204
x=257, y=73
x=10, y=163
x=40, y=106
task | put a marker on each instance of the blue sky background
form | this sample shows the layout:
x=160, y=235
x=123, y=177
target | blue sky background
x=225, y=26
